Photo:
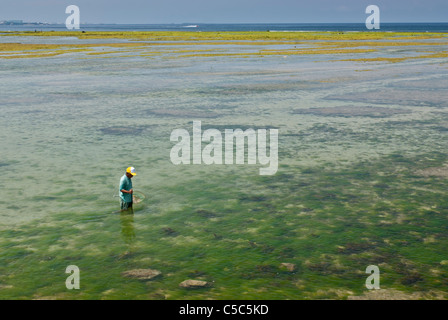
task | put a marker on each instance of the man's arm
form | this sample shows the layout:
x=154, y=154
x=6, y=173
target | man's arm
x=126, y=191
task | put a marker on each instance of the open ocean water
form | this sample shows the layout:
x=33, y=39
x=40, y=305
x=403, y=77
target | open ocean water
x=343, y=27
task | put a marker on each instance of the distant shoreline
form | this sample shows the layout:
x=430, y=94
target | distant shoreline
x=237, y=27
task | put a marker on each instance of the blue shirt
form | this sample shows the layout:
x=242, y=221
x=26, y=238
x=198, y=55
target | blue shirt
x=126, y=184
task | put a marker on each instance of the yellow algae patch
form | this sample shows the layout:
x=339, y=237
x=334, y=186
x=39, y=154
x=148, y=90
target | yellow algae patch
x=193, y=50
x=399, y=59
x=442, y=54
x=22, y=47
x=379, y=59
x=214, y=42
x=20, y=50
x=40, y=55
x=37, y=54
x=345, y=44
x=215, y=35
x=315, y=51
x=108, y=52
x=279, y=52
x=145, y=43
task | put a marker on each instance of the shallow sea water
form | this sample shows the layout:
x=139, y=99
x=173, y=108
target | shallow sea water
x=347, y=193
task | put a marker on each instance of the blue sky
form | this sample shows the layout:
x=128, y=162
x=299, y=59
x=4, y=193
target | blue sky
x=224, y=11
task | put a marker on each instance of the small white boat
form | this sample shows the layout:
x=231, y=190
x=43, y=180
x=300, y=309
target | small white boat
x=191, y=26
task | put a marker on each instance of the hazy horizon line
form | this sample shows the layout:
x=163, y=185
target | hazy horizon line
x=198, y=23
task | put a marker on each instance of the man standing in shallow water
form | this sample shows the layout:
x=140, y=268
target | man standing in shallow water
x=126, y=189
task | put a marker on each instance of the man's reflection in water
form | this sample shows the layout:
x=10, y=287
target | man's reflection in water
x=127, y=226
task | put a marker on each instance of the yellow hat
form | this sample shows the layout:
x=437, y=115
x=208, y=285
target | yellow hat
x=131, y=170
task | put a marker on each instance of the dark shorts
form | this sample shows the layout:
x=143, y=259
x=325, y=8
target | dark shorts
x=125, y=205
